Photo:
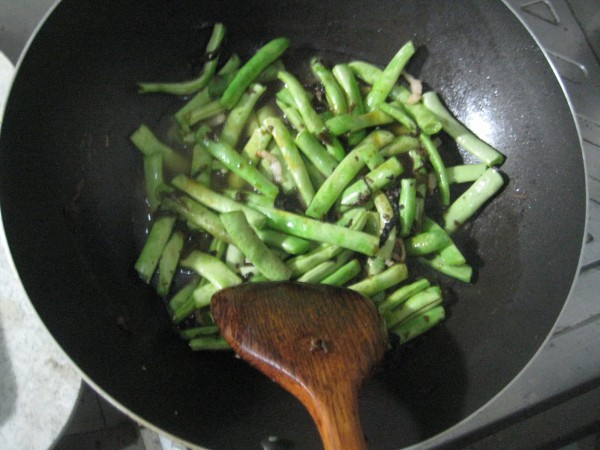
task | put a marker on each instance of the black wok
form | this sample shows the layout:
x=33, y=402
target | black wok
x=73, y=214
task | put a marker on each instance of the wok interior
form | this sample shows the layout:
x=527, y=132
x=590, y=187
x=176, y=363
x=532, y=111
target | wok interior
x=72, y=207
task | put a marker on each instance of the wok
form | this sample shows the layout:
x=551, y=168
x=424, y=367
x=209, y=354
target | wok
x=74, y=216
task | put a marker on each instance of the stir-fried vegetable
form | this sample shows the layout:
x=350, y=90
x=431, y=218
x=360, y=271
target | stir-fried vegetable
x=270, y=180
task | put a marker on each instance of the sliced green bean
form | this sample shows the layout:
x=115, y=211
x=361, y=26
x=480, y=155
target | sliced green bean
x=197, y=216
x=450, y=253
x=344, y=274
x=216, y=201
x=356, y=106
x=213, y=343
x=486, y=186
x=419, y=324
x=376, y=179
x=290, y=244
x=203, y=294
x=389, y=77
x=315, y=230
x=211, y=268
x=426, y=242
x=155, y=243
x=147, y=143
x=302, y=102
x=439, y=168
x=316, y=152
x=326, y=268
x=197, y=101
x=416, y=304
x=407, y=205
x=236, y=163
x=462, y=272
x=347, y=122
x=204, y=112
x=182, y=296
x=206, y=330
x=333, y=93
x=462, y=135
x=382, y=281
x=234, y=258
x=292, y=157
x=238, y=116
x=396, y=111
x=386, y=216
x=292, y=115
x=251, y=245
x=343, y=174
x=153, y=177
x=465, y=173
x=167, y=266
x=371, y=155
x=402, y=294
x=400, y=145
x=252, y=69
x=209, y=69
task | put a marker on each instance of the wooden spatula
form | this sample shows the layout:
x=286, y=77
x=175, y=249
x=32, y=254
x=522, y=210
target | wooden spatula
x=318, y=342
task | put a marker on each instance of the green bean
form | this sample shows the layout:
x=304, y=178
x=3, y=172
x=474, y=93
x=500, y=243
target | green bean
x=197, y=216
x=375, y=265
x=204, y=112
x=326, y=268
x=155, y=243
x=400, y=145
x=416, y=304
x=419, y=206
x=209, y=343
x=371, y=155
x=234, y=258
x=439, y=168
x=211, y=268
x=236, y=120
x=316, y=152
x=376, y=179
x=382, y=281
x=206, y=330
x=182, y=296
x=347, y=122
x=426, y=242
x=203, y=294
x=251, y=245
x=402, y=294
x=450, y=253
x=344, y=274
x=292, y=115
x=463, y=272
x=259, y=141
x=153, y=177
x=292, y=158
x=419, y=324
x=343, y=174
x=464, y=137
x=333, y=93
x=396, y=111
x=316, y=177
x=307, y=228
x=167, y=264
x=407, y=205
x=252, y=69
x=486, y=186
x=237, y=164
x=465, y=173
x=231, y=65
x=347, y=82
x=389, y=77
x=367, y=72
x=209, y=69
x=289, y=244
x=386, y=215
x=216, y=201
x=197, y=101
x=147, y=143
x=284, y=177
x=302, y=102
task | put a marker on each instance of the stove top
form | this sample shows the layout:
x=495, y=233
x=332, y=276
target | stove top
x=554, y=401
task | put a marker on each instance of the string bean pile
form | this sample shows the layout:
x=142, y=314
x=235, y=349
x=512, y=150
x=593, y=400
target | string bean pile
x=268, y=178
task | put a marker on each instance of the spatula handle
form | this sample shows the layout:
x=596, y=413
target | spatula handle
x=336, y=416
